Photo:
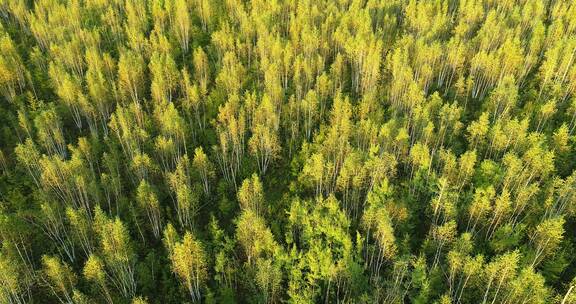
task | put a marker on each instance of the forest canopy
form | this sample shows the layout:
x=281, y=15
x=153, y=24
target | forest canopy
x=288, y=151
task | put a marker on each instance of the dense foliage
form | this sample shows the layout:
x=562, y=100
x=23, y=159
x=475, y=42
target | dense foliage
x=287, y=151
